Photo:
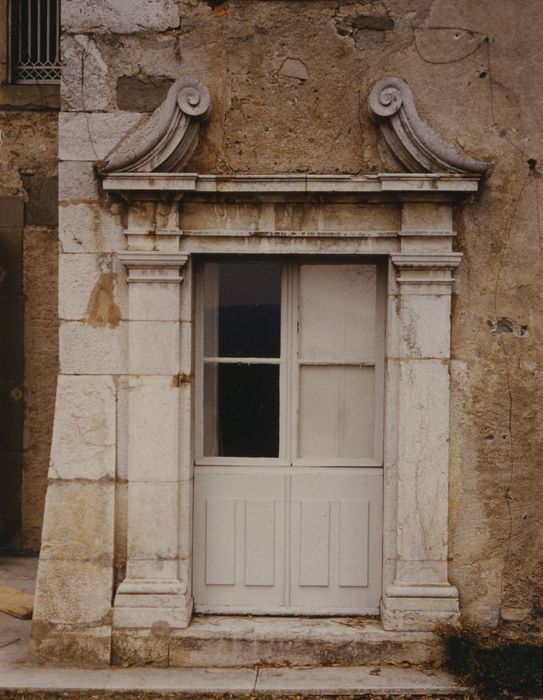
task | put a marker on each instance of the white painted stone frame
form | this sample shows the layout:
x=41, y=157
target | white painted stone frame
x=416, y=589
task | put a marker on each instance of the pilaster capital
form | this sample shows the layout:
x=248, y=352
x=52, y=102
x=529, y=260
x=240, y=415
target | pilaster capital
x=426, y=261
x=153, y=265
x=426, y=273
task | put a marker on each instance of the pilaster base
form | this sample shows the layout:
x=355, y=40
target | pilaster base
x=419, y=608
x=144, y=604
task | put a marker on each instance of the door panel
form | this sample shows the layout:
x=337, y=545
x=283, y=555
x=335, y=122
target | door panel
x=287, y=540
x=335, y=542
x=239, y=540
x=313, y=542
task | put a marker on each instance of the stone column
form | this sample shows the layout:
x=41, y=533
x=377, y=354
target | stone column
x=152, y=591
x=419, y=351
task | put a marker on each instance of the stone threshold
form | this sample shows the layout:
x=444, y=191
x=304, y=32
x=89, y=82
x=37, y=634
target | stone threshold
x=325, y=681
x=229, y=641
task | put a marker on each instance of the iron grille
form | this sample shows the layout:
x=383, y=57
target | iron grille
x=36, y=56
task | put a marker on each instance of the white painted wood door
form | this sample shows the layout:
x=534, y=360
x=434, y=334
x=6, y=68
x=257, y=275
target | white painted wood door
x=288, y=475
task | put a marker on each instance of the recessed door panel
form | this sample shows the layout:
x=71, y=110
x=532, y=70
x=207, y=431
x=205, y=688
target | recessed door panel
x=342, y=573
x=239, y=540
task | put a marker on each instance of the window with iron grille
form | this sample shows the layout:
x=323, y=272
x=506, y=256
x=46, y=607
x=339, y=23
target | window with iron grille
x=35, y=41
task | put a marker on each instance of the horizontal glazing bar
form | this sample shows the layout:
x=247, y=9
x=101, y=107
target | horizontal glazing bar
x=243, y=360
x=335, y=363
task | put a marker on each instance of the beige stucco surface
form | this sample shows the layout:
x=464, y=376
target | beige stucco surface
x=289, y=82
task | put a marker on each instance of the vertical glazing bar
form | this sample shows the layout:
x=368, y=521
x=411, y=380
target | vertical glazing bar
x=38, y=32
x=29, y=31
x=57, y=32
x=19, y=17
x=48, y=53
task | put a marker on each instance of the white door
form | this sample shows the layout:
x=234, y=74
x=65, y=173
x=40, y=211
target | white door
x=288, y=476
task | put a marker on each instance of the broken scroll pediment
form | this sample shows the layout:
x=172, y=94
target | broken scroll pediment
x=166, y=140
x=414, y=143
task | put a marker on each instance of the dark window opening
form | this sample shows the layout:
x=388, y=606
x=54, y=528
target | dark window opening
x=35, y=41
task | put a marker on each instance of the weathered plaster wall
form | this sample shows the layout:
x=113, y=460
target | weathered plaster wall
x=29, y=251
x=289, y=82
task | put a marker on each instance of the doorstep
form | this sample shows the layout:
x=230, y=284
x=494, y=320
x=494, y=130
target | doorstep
x=222, y=641
x=144, y=682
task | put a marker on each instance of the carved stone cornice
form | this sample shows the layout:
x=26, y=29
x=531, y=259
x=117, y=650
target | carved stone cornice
x=167, y=139
x=414, y=143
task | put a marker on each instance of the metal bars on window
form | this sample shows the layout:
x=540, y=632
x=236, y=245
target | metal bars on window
x=36, y=31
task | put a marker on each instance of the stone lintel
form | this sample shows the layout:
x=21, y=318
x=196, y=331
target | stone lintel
x=442, y=186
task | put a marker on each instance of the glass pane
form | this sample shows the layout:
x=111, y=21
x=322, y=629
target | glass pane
x=336, y=411
x=242, y=310
x=241, y=410
x=337, y=312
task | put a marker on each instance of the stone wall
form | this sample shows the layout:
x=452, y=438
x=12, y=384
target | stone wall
x=289, y=82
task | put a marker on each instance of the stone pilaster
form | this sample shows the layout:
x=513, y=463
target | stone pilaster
x=152, y=590
x=420, y=593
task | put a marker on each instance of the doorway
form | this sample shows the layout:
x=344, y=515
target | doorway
x=289, y=438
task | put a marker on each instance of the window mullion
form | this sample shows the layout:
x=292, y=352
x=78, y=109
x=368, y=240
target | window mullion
x=293, y=361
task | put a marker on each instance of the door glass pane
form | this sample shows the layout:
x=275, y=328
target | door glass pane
x=242, y=306
x=337, y=312
x=241, y=410
x=336, y=415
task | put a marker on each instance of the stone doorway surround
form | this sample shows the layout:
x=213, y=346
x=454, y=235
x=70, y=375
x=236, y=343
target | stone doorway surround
x=141, y=415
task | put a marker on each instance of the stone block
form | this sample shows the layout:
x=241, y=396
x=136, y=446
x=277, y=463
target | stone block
x=153, y=429
x=89, y=228
x=84, y=428
x=153, y=569
x=154, y=347
x=64, y=644
x=32, y=507
x=425, y=326
x=155, y=302
x=74, y=592
x=423, y=460
x=245, y=641
x=156, y=503
x=89, y=289
x=141, y=93
x=79, y=520
x=92, y=136
x=11, y=212
x=41, y=207
x=85, y=85
x=141, y=648
x=11, y=256
x=86, y=349
x=426, y=216
x=117, y=16
x=77, y=180
x=38, y=98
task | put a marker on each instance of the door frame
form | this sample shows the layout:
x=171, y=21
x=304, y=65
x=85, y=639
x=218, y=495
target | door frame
x=416, y=590
x=287, y=464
